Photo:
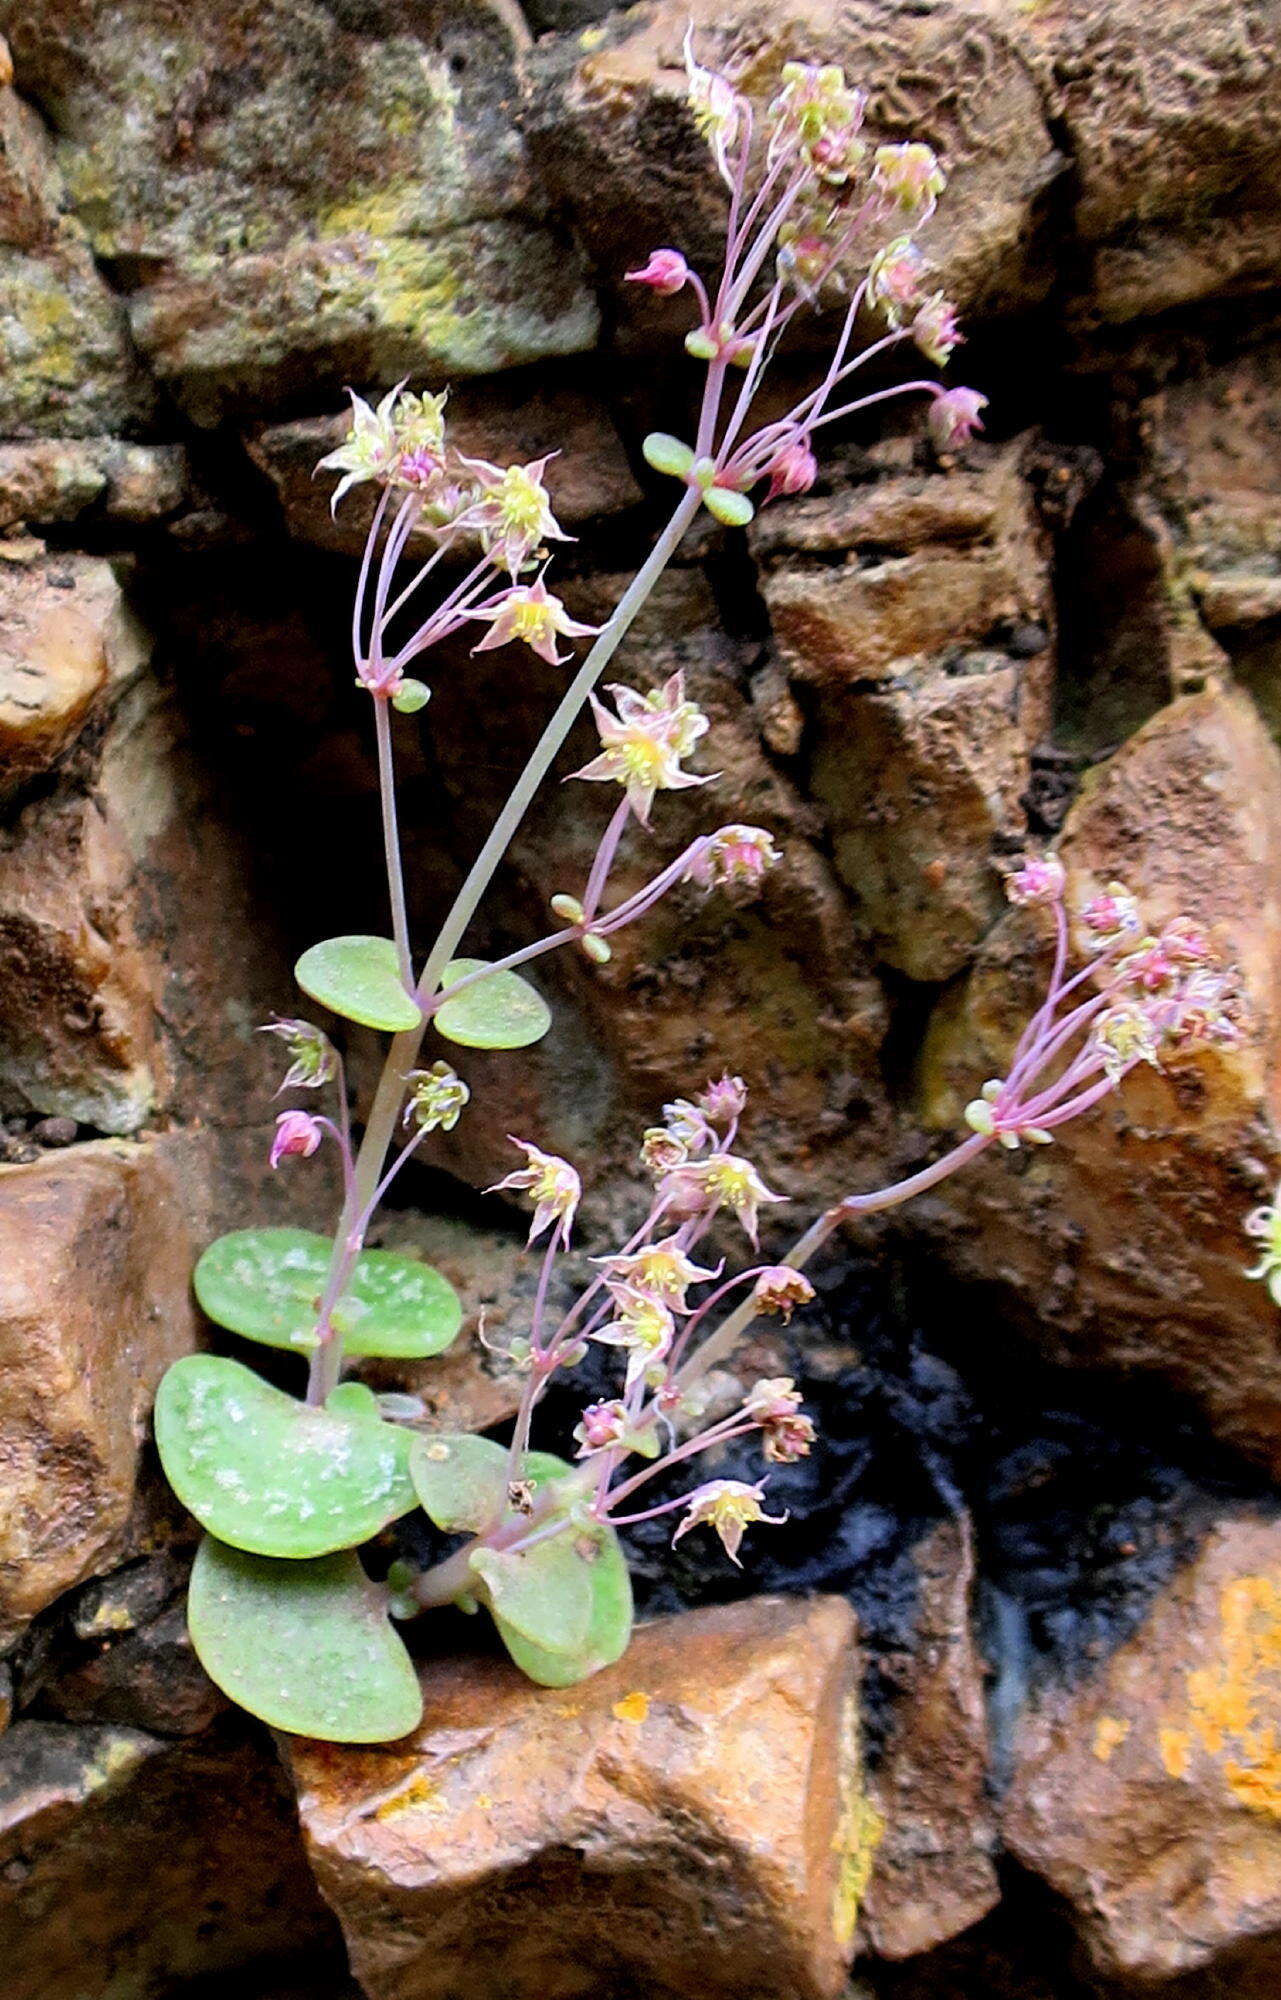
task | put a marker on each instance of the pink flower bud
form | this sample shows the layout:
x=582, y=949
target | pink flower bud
x=955, y=417
x=602, y=1425
x=1038, y=881
x=666, y=273
x=297, y=1133
x=793, y=470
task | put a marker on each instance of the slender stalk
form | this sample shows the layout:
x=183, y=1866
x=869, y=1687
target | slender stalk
x=391, y=841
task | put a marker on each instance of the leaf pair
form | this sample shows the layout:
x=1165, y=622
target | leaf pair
x=359, y=978
x=563, y=1607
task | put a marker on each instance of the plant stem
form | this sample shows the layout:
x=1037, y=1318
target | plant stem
x=403, y=1052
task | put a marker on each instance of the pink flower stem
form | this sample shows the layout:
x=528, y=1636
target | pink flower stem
x=604, y=859
x=366, y=561
x=552, y=942
x=391, y=842
x=731, y=1330
x=705, y=1306
x=725, y=1432
x=924, y=387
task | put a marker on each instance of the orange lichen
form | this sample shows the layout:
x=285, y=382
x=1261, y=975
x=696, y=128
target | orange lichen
x=632, y=1707
x=1230, y=1701
x=1176, y=1751
x=1109, y=1733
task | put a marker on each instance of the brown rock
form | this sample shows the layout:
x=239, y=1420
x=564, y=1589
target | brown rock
x=67, y=644
x=606, y=116
x=1124, y=1239
x=296, y=199
x=94, y=1304
x=1149, y=1798
x=926, y=701
x=59, y=479
x=933, y=1875
x=1175, y=140
x=128, y=1865
x=690, y=1822
x=588, y=480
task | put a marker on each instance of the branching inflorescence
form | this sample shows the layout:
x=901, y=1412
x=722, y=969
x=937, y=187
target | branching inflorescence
x=282, y=1610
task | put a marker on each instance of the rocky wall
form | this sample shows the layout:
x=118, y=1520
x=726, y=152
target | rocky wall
x=998, y=1714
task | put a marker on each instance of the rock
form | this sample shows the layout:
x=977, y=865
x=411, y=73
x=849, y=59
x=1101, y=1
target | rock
x=901, y=610
x=60, y=479
x=1214, y=492
x=933, y=1874
x=128, y=1865
x=94, y=1304
x=1123, y=1241
x=295, y=199
x=149, y=1679
x=67, y=645
x=1164, y=134
x=607, y=121
x=690, y=1822
x=589, y=480
x=66, y=366
x=1149, y=1797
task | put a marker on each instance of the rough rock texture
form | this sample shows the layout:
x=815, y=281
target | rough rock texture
x=66, y=365
x=292, y=196
x=91, y=1816
x=1125, y=1237
x=609, y=127
x=691, y=1821
x=914, y=617
x=1175, y=141
x=1150, y=1797
x=67, y=645
x=94, y=1304
x=933, y=1874
x=65, y=479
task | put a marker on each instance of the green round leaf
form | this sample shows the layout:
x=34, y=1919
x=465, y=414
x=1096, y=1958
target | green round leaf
x=461, y=1481
x=359, y=978
x=265, y=1284
x=608, y=1631
x=545, y=1592
x=305, y=1646
x=667, y=454
x=266, y=1473
x=501, y=1012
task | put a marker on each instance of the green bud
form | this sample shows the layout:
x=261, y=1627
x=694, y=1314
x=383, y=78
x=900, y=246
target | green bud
x=597, y=948
x=667, y=454
x=701, y=345
x=568, y=909
x=410, y=696
x=732, y=510
x=402, y=1605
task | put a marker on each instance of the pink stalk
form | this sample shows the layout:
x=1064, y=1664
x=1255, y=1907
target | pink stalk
x=604, y=859
x=391, y=842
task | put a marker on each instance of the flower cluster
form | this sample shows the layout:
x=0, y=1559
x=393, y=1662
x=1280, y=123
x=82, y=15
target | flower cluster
x=815, y=208
x=401, y=446
x=1143, y=997
x=649, y=1300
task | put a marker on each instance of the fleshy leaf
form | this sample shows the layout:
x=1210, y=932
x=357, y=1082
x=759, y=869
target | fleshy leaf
x=544, y=1593
x=305, y=1646
x=501, y=1012
x=265, y=1284
x=732, y=510
x=359, y=978
x=267, y=1474
x=608, y=1631
x=461, y=1481
x=353, y=1399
